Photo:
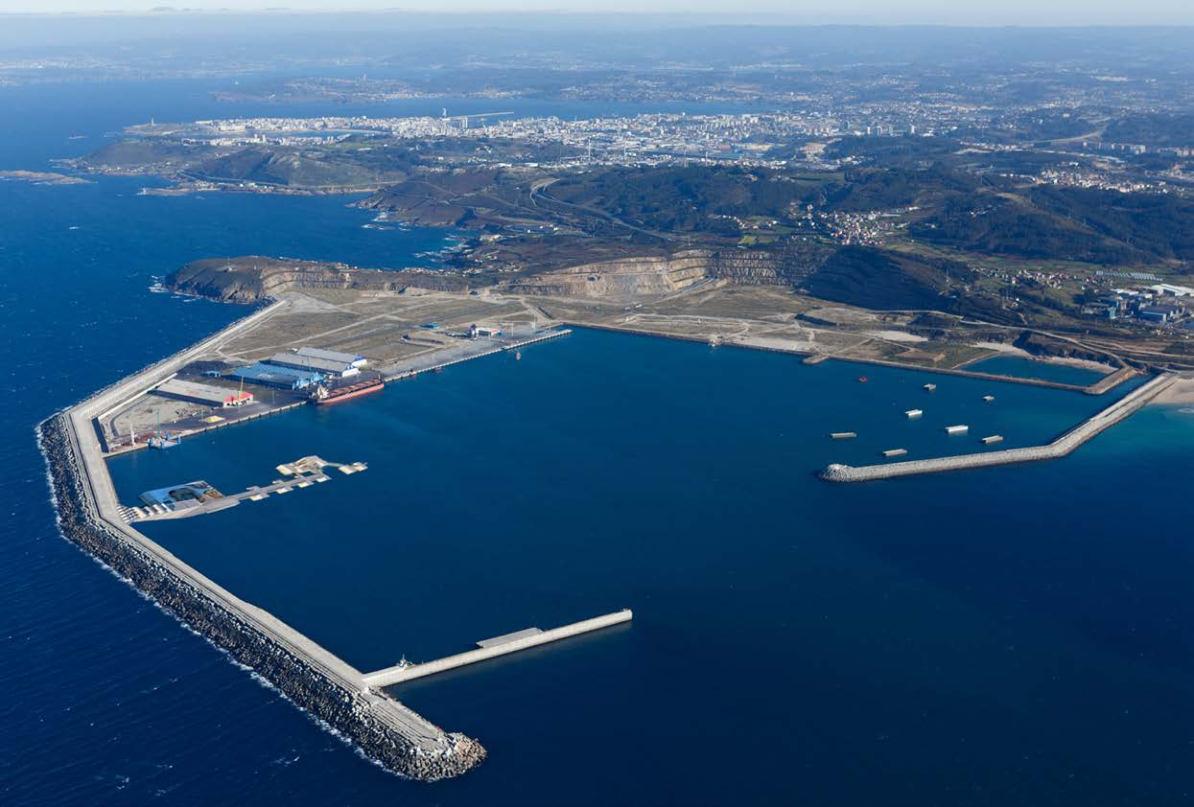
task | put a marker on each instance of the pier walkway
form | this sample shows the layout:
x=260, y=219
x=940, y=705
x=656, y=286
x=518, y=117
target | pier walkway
x=302, y=474
x=493, y=648
x=1068, y=442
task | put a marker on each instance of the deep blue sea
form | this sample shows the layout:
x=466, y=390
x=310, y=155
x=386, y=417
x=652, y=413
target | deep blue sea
x=1008, y=636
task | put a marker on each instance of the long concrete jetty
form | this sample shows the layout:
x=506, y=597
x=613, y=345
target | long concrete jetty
x=1068, y=442
x=1100, y=386
x=306, y=673
x=492, y=648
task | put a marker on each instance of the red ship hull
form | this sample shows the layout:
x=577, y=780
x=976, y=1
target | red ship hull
x=348, y=393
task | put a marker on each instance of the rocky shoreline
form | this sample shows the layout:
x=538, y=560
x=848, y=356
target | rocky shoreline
x=352, y=714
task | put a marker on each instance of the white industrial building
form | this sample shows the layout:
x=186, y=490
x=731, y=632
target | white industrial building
x=332, y=368
x=353, y=359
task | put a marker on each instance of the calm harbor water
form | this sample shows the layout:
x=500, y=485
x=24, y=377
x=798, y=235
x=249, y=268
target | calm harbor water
x=1020, y=367
x=1010, y=636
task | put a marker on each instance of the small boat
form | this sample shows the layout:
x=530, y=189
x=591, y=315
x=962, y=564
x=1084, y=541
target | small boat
x=988, y=398
x=518, y=355
x=914, y=413
x=863, y=379
x=843, y=435
x=930, y=387
x=895, y=452
x=961, y=429
x=994, y=438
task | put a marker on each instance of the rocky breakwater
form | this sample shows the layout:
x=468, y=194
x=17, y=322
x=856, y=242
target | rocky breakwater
x=251, y=279
x=317, y=682
x=1062, y=446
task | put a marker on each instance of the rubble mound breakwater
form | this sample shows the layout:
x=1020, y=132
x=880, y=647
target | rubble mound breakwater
x=1062, y=446
x=327, y=688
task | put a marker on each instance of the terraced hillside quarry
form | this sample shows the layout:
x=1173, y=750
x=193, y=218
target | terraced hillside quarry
x=627, y=279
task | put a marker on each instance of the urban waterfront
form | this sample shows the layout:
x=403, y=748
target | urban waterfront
x=1012, y=635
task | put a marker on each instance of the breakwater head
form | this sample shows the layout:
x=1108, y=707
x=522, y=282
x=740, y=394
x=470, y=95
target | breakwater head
x=1063, y=445
x=307, y=674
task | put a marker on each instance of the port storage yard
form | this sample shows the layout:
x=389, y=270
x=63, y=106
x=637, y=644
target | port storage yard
x=390, y=330
x=317, y=680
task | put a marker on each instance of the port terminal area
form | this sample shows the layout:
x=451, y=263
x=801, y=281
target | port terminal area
x=288, y=359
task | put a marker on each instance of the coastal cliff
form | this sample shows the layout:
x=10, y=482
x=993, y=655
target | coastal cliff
x=357, y=715
x=251, y=279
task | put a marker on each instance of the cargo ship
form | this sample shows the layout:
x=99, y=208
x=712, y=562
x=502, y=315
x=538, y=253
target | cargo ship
x=324, y=395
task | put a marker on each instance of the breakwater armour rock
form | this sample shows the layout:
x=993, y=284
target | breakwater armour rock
x=356, y=714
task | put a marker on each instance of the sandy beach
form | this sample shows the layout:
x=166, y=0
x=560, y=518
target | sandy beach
x=1181, y=393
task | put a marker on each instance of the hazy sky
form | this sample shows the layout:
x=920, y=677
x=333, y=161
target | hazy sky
x=953, y=12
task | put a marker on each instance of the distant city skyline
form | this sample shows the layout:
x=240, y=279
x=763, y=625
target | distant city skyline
x=1009, y=12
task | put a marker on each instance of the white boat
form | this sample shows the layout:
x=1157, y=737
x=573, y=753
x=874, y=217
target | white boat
x=914, y=413
x=960, y=429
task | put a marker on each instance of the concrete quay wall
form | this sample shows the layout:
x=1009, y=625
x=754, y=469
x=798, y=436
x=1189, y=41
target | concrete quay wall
x=1099, y=387
x=1067, y=443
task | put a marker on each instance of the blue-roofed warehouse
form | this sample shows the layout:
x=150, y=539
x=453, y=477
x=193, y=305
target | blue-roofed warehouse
x=274, y=376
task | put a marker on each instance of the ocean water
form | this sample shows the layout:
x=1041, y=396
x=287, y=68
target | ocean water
x=1008, y=636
